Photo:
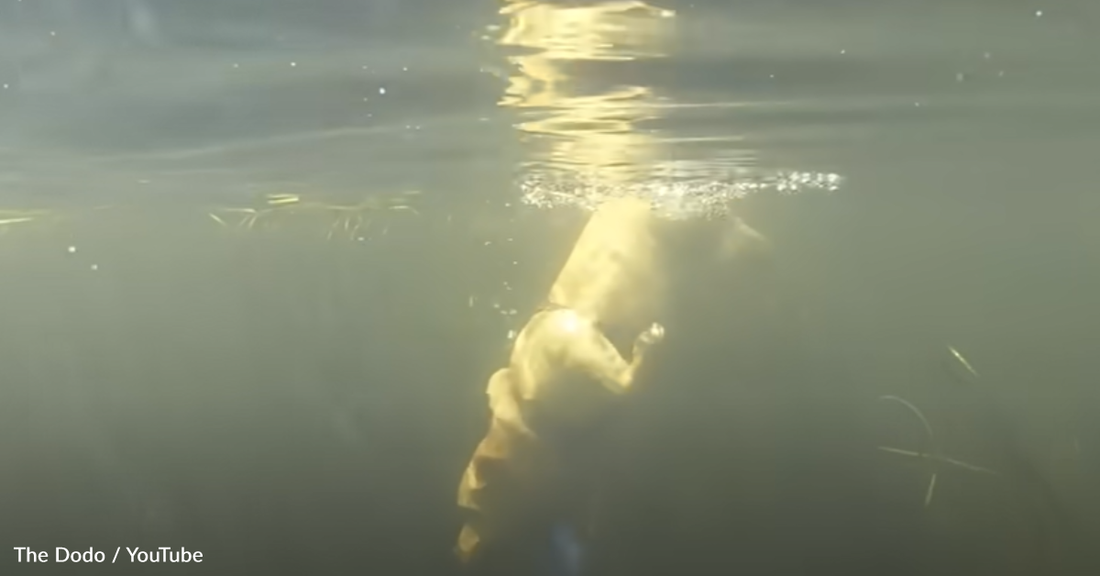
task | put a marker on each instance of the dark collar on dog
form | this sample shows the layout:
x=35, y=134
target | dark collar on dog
x=549, y=306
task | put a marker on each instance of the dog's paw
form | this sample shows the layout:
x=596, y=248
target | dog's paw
x=654, y=334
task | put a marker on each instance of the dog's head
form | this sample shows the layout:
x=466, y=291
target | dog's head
x=613, y=275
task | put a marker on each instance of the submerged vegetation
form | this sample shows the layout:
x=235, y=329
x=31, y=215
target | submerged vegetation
x=334, y=218
x=1058, y=533
x=346, y=220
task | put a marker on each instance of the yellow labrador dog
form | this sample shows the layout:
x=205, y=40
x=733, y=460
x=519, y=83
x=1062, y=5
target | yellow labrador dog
x=565, y=371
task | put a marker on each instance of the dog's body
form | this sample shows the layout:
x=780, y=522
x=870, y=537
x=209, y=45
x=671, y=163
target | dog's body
x=565, y=373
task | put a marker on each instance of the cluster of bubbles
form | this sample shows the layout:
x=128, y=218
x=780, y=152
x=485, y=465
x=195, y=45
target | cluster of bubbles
x=677, y=199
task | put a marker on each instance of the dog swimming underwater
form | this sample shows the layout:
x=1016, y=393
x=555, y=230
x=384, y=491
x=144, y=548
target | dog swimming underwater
x=571, y=373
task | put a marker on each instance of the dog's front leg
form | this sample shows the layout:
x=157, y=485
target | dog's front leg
x=591, y=351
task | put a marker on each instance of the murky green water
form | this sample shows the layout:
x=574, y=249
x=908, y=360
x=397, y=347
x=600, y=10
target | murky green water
x=259, y=259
